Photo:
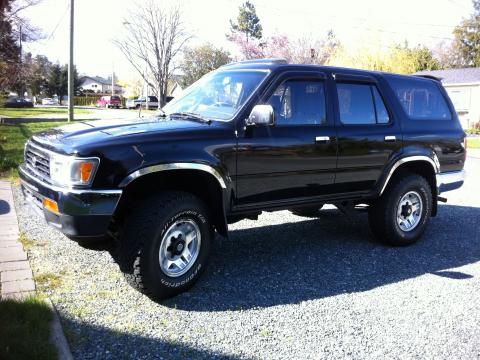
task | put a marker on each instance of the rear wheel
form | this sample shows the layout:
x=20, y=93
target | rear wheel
x=165, y=245
x=400, y=216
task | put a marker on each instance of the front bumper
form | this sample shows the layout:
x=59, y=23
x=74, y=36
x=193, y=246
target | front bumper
x=83, y=213
x=451, y=180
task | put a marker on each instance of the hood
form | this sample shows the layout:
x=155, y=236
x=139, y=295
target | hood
x=71, y=137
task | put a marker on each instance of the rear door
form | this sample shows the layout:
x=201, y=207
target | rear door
x=368, y=133
x=296, y=157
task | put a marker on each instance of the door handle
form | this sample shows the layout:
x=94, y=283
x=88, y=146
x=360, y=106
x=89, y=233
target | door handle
x=322, y=138
x=390, y=138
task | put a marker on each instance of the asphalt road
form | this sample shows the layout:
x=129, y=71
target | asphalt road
x=285, y=287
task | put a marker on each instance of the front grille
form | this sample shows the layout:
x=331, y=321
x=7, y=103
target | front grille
x=37, y=161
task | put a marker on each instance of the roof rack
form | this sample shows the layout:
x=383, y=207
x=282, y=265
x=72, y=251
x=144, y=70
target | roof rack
x=431, y=77
x=259, y=61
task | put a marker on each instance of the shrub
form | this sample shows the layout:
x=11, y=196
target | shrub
x=3, y=98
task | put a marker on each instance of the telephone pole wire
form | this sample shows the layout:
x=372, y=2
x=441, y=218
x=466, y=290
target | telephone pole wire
x=71, y=95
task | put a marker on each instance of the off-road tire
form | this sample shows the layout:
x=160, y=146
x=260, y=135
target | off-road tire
x=138, y=248
x=382, y=214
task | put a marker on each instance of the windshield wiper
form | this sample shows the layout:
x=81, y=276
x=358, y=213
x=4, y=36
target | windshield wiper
x=191, y=116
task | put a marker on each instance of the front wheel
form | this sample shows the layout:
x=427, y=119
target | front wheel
x=166, y=244
x=399, y=217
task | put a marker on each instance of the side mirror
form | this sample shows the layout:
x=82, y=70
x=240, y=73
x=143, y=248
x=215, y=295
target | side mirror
x=261, y=115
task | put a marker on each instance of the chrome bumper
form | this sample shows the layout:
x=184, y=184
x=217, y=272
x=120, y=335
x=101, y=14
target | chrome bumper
x=450, y=180
x=82, y=212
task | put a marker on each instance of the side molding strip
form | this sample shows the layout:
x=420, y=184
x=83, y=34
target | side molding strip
x=173, y=166
x=409, y=159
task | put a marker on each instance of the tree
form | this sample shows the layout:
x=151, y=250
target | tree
x=200, y=60
x=155, y=37
x=305, y=50
x=467, y=39
x=9, y=48
x=57, y=83
x=423, y=58
x=397, y=58
x=54, y=80
x=248, y=23
x=14, y=29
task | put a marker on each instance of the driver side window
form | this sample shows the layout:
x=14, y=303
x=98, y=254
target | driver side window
x=299, y=102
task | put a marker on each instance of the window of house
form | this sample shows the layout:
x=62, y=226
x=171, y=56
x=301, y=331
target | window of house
x=420, y=98
x=299, y=102
x=361, y=104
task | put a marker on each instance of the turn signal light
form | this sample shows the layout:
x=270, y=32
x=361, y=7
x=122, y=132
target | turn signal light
x=85, y=171
x=51, y=205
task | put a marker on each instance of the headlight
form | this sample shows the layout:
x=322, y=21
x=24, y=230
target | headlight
x=67, y=170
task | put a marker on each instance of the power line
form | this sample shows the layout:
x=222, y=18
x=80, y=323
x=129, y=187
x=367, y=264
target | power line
x=58, y=23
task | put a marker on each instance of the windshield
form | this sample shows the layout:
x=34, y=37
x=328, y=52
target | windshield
x=217, y=95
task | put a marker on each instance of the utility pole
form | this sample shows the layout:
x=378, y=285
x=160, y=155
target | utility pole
x=113, y=81
x=71, y=95
x=146, y=87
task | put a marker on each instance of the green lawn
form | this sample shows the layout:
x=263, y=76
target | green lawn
x=25, y=331
x=12, y=141
x=473, y=143
x=32, y=112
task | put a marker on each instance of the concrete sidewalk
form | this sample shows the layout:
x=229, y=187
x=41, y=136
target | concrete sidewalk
x=474, y=153
x=15, y=272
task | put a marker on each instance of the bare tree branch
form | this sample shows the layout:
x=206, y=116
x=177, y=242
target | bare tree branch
x=155, y=37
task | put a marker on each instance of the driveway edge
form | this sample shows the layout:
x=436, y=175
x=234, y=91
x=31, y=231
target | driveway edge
x=16, y=277
x=57, y=336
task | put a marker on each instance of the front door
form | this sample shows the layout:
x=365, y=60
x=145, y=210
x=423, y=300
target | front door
x=296, y=157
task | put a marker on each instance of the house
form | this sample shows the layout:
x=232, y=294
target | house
x=99, y=85
x=463, y=87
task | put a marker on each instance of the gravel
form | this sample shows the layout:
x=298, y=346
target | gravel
x=283, y=287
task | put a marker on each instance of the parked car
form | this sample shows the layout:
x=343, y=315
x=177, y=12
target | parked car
x=18, y=102
x=250, y=137
x=110, y=102
x=49, y=101
x=140, y=102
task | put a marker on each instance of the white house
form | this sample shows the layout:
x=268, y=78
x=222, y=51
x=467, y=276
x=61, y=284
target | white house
x=99, y=85
x=463, y=87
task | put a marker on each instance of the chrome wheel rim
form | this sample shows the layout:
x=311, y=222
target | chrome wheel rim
x=409, y=211
x=179, y=247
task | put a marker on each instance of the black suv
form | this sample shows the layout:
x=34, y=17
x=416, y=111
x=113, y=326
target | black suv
x=252, y=136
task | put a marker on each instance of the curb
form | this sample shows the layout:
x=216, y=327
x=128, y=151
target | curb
x=57, y=336
x=16, y=277
x=13, y=121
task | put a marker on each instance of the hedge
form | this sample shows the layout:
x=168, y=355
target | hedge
x=91, y=100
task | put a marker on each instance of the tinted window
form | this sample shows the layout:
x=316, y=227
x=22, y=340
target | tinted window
x=381, y=110
x=421, y=99
x=361, y=104
x=356, y=104
x=299, y=102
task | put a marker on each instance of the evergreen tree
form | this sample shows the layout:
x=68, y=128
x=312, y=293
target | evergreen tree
x=467, y=39
x=9, y=49
x=248, y=22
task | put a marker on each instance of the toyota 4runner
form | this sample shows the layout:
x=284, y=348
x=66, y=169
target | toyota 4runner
x=249, y=137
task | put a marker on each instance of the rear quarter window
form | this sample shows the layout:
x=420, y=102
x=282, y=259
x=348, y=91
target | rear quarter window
x=421, y=99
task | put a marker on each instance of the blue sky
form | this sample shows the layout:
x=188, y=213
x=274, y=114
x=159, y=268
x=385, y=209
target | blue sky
x=370, y=23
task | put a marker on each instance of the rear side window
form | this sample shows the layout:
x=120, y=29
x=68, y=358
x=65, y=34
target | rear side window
x=421, y=99
x=361, y=104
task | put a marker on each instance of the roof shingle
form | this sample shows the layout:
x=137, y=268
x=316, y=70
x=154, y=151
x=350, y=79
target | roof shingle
x=454, y=76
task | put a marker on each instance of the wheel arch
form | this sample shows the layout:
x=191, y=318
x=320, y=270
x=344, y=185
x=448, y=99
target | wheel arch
x=201, y=180
x=422, y=165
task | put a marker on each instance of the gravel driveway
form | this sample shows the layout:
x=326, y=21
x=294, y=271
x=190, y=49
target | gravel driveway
x=284, y=287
